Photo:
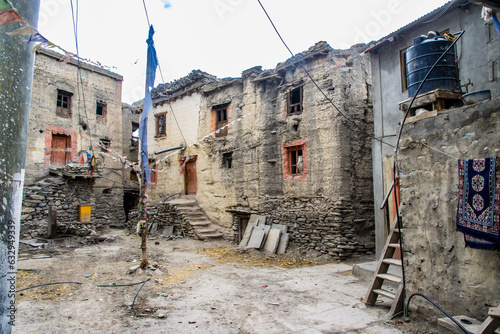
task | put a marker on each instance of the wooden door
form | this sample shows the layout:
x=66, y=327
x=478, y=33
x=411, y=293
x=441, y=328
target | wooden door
x=58, y=155
x=191, y=182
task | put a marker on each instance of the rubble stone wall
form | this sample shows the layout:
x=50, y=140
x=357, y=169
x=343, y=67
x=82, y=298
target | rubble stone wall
x=461, y=280
x=63, y=195
x=84, y=127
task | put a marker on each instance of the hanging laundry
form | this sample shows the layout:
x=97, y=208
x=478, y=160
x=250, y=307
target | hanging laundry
x=478, y=210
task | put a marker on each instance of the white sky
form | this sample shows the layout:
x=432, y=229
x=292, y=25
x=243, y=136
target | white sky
x=221, y=37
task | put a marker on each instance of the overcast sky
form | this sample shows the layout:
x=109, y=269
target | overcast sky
x=221, y=37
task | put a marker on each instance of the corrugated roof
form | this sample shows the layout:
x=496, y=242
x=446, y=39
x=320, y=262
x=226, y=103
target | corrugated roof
x=427, y=18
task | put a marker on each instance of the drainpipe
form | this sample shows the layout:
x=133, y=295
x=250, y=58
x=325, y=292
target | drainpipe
x=16, y=76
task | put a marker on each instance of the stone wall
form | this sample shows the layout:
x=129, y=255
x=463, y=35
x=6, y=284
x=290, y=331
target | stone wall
x=337, y=186
x=64, y=195
x=320, y=224
x=461, y=280
x=92, y=116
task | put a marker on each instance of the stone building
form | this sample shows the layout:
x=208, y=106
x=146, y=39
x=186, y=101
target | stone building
x=74, y=112
x=271, y=143
x=130, y=124
x=437, y=263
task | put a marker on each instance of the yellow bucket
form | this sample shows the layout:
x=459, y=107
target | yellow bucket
x=84, y=212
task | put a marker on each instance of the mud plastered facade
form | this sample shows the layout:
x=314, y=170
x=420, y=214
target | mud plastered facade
x=69, y=117
x=271, y=143
x=437, y=263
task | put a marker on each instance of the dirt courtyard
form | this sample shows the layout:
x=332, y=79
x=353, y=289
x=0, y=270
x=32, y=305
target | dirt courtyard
x=209, y=288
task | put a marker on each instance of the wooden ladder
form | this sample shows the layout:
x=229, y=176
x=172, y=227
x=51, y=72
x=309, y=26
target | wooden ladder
x=491, y=323
x=381, y=274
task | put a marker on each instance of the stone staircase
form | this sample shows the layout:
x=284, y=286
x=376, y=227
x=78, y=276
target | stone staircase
x=192, y=214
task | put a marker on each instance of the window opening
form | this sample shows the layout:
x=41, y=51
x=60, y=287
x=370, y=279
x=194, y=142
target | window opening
x=63, y=104
x=295, y=101
x=221, y=121
x=227, y=160
x=161, y=125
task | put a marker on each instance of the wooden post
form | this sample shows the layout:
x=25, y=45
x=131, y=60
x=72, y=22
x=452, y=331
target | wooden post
x=52, y=223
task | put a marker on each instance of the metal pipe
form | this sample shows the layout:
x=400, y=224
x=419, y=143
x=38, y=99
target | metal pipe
x=169, y=149
x=16, y=77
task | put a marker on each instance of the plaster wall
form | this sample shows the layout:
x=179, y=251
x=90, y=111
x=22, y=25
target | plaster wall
x=461, y=280
x=479, y=58
x=85, y=130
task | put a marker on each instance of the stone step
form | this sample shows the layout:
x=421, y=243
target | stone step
x=203, y=227
x=200, y=223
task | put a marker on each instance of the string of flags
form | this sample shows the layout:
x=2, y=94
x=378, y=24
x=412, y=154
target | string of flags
x=9, y=14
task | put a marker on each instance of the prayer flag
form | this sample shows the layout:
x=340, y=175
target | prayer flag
x=10, y=17
x=151, y=66
x=25, y=30
x=6, y=6
x=37, y=38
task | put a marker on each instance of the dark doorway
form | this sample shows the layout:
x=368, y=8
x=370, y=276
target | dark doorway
x=130, y=201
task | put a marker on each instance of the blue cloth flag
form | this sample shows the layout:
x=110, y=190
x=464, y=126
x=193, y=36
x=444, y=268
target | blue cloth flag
x=152, y=64
x=37, y=38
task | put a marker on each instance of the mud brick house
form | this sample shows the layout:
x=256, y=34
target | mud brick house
x=70, y=117
x=437, y=263
x=130, y=124
x=270, y=143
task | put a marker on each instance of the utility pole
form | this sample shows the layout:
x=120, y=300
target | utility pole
x=16, y=76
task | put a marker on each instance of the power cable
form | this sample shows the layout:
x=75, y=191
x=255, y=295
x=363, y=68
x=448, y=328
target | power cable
x=37, y=286
x=146, y=11
x=316, y=84
x=396, y=152
x=439, y=308
x=79, y=71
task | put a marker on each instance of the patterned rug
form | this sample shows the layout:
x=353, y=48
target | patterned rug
x=479, y=202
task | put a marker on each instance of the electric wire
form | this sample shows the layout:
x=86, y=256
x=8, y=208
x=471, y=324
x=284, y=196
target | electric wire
x=79, y=71
x=120, y=285
x=396, y=152
x=316, y=84
x=146, y=11
x=37, y=286
x=162, y=79
x=133, y=302
x=439, y=308
x=440, y=13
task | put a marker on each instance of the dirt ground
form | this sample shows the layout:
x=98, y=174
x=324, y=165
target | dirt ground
x=209, y=288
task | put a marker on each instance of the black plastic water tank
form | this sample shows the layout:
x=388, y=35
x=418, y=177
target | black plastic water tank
x=419, y=60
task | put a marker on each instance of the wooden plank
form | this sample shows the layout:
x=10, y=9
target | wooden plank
x=398, y=303
x=429, y=98
x=385, y=293
x=395, y=262
x=494, y=312
x=389, y=277
x=489, y=326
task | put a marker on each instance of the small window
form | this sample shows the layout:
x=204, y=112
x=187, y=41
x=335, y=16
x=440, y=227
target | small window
x=63, y=104
x=134, y=141
x=161, y=125
x=101, y=111
x=153, y=173
x=295, y=101
x=227, y=160
x=220, y=114
x=294, y=160
x=105, y=144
